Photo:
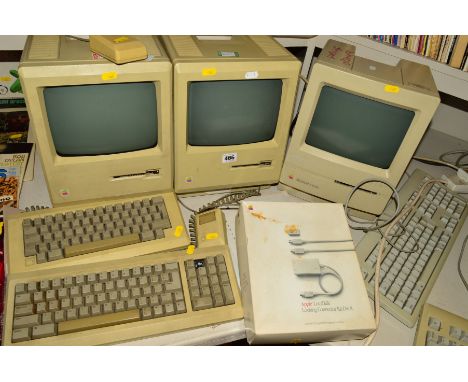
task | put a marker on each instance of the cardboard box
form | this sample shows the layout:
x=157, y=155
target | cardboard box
x=318, y=296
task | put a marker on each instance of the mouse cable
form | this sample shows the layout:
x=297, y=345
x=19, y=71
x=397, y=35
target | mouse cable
x=373, y=225
x=457, y=162
x=383, y=242
x=460, y=273
x=436, y=162
x=185, y=206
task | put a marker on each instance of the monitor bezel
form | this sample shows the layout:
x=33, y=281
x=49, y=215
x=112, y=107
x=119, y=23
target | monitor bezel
x=71, y=159
x=106, y=172
x=211, y=156
x=328, y=167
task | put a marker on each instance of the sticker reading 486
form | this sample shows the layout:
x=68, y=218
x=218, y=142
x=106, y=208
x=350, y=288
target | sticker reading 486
x=229, y=157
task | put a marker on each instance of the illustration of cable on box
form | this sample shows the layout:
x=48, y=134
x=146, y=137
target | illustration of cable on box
x=306, y=268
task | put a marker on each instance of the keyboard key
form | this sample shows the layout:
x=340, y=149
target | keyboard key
x=42, y=331
x=434, y=323
x=26, y=321
x=19, y=335
x=202, y=303
x=410, y=270
x=24, y=310
x=97, y=322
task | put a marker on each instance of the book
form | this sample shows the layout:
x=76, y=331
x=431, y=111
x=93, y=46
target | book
x=448, y=53
x=459, y=51
x=2, y=278
x=13, y=162
x=14, y=126
x=9, y=186
x=465, y=58
x=441, y=48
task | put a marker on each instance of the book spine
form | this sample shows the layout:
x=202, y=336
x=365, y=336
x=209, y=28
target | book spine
x=436, y=47
x=441, y=48
x=428, y=45
x=451, y=48
x=464, y=60
x=459, y=52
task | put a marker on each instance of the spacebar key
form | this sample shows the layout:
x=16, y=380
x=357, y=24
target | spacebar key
x=88, y=323
x=100, y=245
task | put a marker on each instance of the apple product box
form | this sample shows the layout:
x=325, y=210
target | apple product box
x=306, y=293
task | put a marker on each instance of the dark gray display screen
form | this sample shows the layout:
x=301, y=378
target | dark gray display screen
x=358, y=128
x=223, y=113
x=102, y=119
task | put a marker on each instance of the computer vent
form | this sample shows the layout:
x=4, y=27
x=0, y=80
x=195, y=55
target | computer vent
x=269, y=46
x=185, y=46
x=44, y=48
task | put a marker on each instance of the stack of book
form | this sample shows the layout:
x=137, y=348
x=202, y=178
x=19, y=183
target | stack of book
x=447, y=49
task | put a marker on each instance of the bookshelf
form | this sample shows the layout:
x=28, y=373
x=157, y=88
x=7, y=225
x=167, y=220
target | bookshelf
x=449, y=80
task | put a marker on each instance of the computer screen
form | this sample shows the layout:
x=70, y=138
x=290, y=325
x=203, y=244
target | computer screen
x=233, y=102
x=225, y=113
x=103, y=130
x=359, y=119
x=102, y=119
x=364, y=130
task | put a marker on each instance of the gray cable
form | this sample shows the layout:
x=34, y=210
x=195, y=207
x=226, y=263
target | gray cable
x=373, y=225
x=185, y=206
x=459, y=263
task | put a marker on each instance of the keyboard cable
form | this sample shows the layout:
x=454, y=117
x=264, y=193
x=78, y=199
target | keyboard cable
x=407, y=208
x=460, y=273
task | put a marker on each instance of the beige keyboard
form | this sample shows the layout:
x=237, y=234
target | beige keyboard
x=437, y=327
x=94, y=231
x=410, y=268
x=122, y=300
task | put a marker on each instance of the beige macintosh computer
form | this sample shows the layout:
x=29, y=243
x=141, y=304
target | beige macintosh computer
x=95, y=269
x=233, y=101
x=359, y=125
x=359, y=119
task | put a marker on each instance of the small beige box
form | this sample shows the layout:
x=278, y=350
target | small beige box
x=318, y=296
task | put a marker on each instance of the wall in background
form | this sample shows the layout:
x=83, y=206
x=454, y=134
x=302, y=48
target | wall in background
x=12, y=42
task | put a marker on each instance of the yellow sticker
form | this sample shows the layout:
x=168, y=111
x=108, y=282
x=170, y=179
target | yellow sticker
x=211, y=236
x=1, y=228
x=5, y=79
x=178, y=231
x=109, y=76
x=120, y=39
x=190, y=249
x=209, y=72
x=392, y=89
x=16, y=136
